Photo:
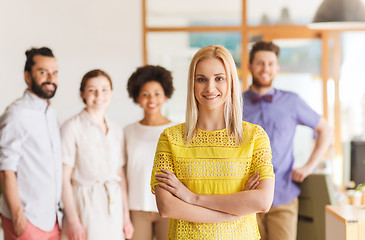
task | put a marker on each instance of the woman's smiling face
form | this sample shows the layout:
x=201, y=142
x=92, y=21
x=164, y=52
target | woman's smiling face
x=151, y=97
x=210, y=84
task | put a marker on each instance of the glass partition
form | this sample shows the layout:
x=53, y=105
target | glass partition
x=297, y=12
x=174, y=51
x=187, y=13
x=352, y=94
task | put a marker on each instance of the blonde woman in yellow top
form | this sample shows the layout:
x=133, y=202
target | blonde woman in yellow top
x=201, y=167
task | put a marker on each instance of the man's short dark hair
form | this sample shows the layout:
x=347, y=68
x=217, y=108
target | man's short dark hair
x=264, y=46
x=44, y=51
x=149, y=73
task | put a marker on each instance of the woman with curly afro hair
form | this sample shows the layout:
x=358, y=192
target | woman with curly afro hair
x=150, y=87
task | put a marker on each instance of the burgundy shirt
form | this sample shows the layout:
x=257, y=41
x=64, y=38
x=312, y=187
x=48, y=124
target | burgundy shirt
x=279, y=118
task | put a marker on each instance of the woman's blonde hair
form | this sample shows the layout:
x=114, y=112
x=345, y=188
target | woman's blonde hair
x=233, y=105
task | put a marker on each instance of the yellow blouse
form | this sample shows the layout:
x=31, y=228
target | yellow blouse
x=213, y=164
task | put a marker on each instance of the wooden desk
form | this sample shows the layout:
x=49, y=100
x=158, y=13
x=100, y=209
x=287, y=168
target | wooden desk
x=345, y=222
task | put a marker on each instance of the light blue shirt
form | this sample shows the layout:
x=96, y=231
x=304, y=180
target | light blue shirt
x=30, y=145
x=280, y=118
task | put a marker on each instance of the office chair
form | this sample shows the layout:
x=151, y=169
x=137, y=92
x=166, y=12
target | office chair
x=317, y=191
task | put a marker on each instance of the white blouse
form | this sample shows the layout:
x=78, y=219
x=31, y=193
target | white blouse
x=140, y=143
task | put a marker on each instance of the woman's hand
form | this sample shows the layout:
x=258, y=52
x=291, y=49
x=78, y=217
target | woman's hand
x=76, y=231
x=169, y=182
x=253, y=182
x=128, y=229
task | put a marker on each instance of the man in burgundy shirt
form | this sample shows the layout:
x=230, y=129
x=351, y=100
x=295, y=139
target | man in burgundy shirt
x=279, y=112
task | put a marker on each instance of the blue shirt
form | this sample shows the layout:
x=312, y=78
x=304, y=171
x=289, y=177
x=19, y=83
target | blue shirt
x=279, y=118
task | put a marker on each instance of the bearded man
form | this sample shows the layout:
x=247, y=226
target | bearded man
x=30, y=155
x=279, y=112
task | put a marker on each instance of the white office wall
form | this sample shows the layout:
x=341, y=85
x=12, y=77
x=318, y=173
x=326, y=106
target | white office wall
x=83, y=34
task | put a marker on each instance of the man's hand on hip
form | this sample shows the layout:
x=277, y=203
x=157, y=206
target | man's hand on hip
x=19, y=224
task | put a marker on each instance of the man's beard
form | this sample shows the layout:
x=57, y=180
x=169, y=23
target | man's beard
x=38, y=89
x=257, y=83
